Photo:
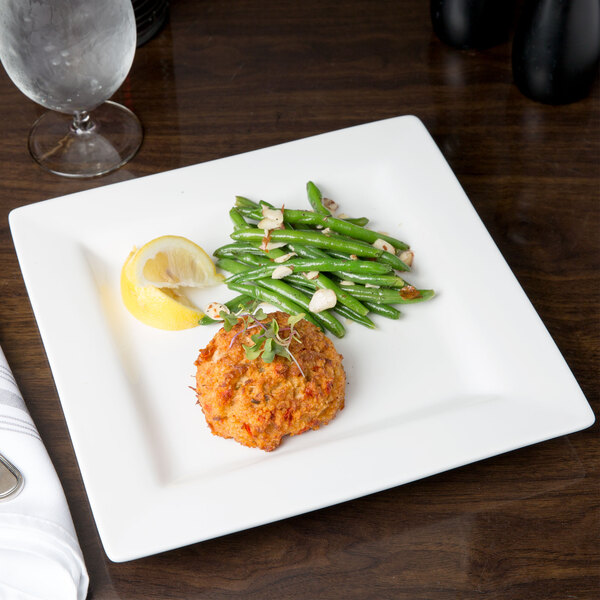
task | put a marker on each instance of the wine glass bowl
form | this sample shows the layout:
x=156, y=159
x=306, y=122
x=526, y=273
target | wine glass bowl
x=70, y=56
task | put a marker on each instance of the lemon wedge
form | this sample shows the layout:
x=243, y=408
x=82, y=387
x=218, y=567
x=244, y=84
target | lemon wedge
x=152, y=278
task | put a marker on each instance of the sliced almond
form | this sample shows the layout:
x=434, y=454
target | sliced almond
x=214, y=309
x=281, y=272
x=330, y=204
x=274, y=214
x=268, y=224
x=322, y=300
x=326, y=231
x=407, y=257
x=274, y=245
x=282, y=259
x=346, y=282
x=266, y=244
x=354, y=257
x=383, y=245
x=311, y=274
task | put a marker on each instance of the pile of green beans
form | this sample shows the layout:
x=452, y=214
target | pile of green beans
x=339, y=252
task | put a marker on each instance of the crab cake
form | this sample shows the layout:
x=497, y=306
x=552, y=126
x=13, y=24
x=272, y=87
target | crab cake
x=258, y=403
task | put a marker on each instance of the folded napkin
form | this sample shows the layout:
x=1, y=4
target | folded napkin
x=40, y=557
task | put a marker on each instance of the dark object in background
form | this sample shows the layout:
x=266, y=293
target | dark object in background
x=472, y=23
x=150, y=16
x=556, y=49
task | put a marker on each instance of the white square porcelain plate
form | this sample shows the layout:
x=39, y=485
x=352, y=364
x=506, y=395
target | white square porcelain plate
x=468, y=375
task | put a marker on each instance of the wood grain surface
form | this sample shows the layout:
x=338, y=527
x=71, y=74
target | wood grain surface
x=227, y=77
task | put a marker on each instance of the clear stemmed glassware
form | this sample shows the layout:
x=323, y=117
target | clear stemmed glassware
x=71, y=56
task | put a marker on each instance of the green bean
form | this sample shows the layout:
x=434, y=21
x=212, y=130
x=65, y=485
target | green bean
x=238, y=248
x=316, y=199
x=242, y=202
x=361, y=221
x=334, y=264
x=265, y=204
x=232, y=250
x=304, y=251
x=308, y=237
x=233, y=305
x=305, y=287
x=382, y=280
x=303, y=227
x=342, y=295
x=253, y=211
x=344, y=311
x=272, y=254
x=324, y=282
x=344, y=306
x=306, y=265
x=238, y=220
x=250, y=212
x=390, y=281
x=253, y=259
x=233, y=266
x=340, y=226
x=387, y=258
x=387, y=296
x=394, y=262
x=277, y=300
x=303, y=300
x=385, y=310
x=303, y=265
x=337, y=255
x=324, y=318
x=341, y=255
x=260, y=272
x=250, y=289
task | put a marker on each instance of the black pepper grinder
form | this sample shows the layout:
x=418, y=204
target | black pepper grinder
x=556, y=49
x=472, y=23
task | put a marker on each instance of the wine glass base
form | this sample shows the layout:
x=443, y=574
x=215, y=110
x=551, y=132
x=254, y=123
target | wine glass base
x=114, y=137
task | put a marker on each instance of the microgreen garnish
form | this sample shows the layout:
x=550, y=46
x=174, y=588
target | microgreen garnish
x=293, y=319
x=229, y=320
x=270, y=341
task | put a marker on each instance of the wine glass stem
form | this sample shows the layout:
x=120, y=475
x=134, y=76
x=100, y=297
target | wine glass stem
x=82, y=123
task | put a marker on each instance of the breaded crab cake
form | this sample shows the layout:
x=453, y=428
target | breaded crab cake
x=258, y=403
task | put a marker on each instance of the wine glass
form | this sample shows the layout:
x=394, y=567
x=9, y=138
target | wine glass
x=71, y=56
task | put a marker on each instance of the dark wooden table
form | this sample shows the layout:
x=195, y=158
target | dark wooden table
x=227, y=77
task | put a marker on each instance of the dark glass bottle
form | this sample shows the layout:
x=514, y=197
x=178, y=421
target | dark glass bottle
x=556, y=49
x=150, y=16
x=472, y=23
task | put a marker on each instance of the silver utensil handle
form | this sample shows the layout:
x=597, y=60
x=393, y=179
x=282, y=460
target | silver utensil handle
x=11, y=480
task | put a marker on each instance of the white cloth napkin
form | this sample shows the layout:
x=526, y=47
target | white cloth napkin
x=40, y=557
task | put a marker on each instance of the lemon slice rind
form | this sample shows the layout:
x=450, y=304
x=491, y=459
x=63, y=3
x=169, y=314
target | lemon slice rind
x=173, y=261
x=152, y=278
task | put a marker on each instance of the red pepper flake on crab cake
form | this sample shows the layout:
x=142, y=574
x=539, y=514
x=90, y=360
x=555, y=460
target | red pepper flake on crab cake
x=257, y=403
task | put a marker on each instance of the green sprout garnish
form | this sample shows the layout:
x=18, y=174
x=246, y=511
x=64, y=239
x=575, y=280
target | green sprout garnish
x=229, y=320
x=269, y=341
